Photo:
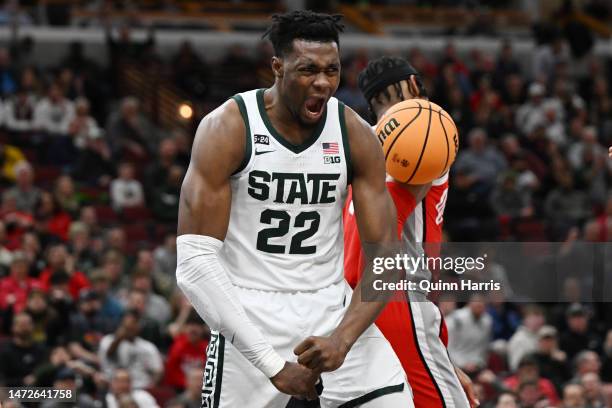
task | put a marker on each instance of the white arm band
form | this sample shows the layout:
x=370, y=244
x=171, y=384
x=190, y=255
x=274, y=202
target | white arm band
x=204, y=281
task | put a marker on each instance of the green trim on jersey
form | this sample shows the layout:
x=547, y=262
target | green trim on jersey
x=219, y=378
x=345, y=142
x=245, y=118
x=372, y=395
x=280, y=138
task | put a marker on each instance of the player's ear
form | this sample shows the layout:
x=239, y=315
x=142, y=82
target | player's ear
x=277, y=67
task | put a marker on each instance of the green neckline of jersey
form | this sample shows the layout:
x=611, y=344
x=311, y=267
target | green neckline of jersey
x=280, y=138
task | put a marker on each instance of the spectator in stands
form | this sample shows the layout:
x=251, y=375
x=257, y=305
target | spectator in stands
x=52, y=222
x=19, y=112
x=573, y=396
x=20, y=354
x=46, y=373
x=129, y=133
x=528, y=371
x=157, y=308
x=186, y=351
x=52, y=116
x=83, y=125
x=504, y=315
x=113, y=265
x=10, y=156
x=507, y=200
x=588, y=142
x=88, y=325
x=593, y=390
x=469, y=334
x=165, y=256
x=166, y=195
x=48, y=327
x=192, y=396
x=94, y=165
x=8, y=83
x=111, y=308
x=59, y=261
x=551, y=360
x=190, y=72
x=15, y=288
x=530, y=395
x=481, y=163
x=601, y=107
x=60, y=298
x=126, y=191
x=565, y=206
x=65, y=194
x=577, y=336
x=349, y=92
x=150, y=329
x=586, y=362
x=25, y=193
x=531, y=113
x=121, y=394
x=548, y=56
x=89, y=218
x=125, y=348
x=525, y=339
x=66, y=379
x=160, y=168
x=506, y=400
x=145, y=264
x=81, y=247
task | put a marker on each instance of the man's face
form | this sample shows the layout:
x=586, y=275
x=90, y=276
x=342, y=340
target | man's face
x=573, y=396
x=309, y=75
x=121, y=383
x=506, y=401
x=22, y=326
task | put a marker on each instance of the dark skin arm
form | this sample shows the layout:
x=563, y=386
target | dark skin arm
x=376, y=221
x=205, y=204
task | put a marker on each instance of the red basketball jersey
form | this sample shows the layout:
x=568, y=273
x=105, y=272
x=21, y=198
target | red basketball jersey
x=397, y=320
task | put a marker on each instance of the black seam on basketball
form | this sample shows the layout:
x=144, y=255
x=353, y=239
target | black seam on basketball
x=423, y=149
x=421, y=356
x=414, y=107
x=399, y=133
x=447, y=145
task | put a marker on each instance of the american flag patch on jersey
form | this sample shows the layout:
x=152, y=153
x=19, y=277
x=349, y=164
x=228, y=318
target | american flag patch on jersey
x=331, y=148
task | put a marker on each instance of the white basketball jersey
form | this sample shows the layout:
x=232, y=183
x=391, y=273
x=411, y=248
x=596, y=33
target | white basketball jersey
x=285, y=230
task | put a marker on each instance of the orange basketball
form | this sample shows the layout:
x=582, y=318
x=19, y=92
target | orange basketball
x=420, y=141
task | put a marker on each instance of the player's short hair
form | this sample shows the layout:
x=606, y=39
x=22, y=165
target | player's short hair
x=385, y=71
x=302, y=25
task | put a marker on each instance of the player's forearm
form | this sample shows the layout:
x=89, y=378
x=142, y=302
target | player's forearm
x=358, y=317
x=204, y=281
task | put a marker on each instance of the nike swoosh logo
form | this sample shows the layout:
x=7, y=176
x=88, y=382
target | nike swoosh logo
x=258, y=152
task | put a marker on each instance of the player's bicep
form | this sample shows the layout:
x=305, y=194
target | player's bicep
x=218, y=150
x=374, y=209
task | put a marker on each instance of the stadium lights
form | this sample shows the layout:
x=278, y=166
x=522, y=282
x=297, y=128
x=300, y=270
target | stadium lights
x=185, y=111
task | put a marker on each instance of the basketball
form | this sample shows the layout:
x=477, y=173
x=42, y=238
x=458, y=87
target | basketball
x=420, y=141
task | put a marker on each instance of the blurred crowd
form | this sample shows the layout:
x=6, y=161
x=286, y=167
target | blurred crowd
x=89, y=198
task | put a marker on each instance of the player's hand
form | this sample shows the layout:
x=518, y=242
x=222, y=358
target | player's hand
x=610, y=151
x=296, y=380
x=321, y=353
x=468, y=387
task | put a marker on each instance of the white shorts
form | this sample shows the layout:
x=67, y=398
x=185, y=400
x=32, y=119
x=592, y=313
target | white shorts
x=371, y=368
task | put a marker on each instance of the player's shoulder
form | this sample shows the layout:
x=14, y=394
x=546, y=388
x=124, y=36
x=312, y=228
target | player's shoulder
x=221, y=135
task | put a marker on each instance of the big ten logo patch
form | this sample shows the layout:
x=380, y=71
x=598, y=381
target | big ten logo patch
x=262, y=139
x=211, y=370
x=331, y=159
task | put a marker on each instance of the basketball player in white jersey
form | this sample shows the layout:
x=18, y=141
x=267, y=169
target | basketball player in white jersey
x=260, y=246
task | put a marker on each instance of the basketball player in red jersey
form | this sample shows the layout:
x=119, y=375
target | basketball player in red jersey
x=415, y=328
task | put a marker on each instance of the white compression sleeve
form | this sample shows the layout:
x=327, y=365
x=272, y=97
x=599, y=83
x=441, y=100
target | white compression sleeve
x=204, y=281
